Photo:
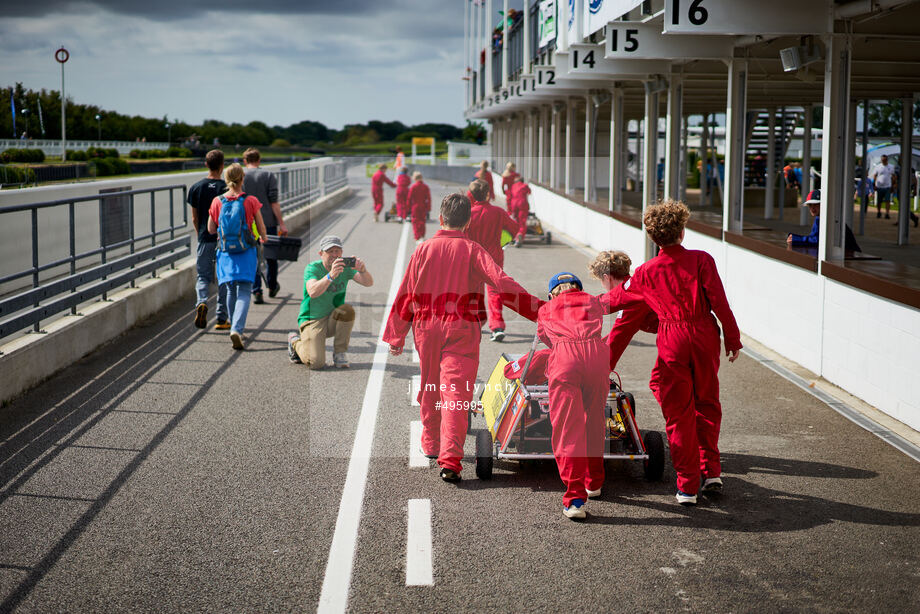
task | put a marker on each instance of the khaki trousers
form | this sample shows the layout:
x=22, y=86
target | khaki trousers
x=311, y=347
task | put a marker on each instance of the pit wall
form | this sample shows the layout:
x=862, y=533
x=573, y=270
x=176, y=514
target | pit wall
x=864, y=344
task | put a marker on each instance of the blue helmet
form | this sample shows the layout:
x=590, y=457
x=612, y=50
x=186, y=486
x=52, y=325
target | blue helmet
x=564, y=278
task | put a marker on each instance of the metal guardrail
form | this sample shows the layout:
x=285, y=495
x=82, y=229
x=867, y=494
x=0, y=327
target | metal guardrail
x=146, y=253
x=301, y=186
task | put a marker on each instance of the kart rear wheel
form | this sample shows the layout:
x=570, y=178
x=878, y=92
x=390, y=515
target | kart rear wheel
x=654, y=464
x=484, y=455
x=548, y=238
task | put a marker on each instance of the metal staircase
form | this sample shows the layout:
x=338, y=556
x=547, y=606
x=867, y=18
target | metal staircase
x=758, y=141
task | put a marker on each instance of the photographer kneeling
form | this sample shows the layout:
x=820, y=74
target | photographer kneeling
x=324, y=312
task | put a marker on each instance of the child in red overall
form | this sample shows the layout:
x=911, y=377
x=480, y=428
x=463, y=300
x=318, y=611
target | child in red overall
x=485, y=175
x=612, y=268
x=441, y=299
x=519, y=206
x=420, y=204
x=684, y=290
x=570, y=323
x=486, y=225
x=377, y=181
x=507, y=181
x=402, y=194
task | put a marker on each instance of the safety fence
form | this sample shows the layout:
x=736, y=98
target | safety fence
x=137, y=232
x=55, y=147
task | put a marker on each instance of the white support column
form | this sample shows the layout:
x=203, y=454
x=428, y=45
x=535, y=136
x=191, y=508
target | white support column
x=849, y=165
x=466, y=51
x=541, y=147
x=617, y=151
x=770, y=179
x=735, y=126
x=704, y=160
x=589, y=194
x=684, y=159
x=833, y=154
x=569, y=146
x=553, y=145
x=907, y=108
x=650, y=155
x=531, y=143
x=806, y=163
x=672, y=165
x=863, y=198
x=475, y=47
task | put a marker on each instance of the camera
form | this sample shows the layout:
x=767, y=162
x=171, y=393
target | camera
x=349, y=261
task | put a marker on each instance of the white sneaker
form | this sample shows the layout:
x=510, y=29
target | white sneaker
x=712, y=486
x=236, y=339
x=576, y=510
x=340, y=361
x=594, y=494
x=684, y=498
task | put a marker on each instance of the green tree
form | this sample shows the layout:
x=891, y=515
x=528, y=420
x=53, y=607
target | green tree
x=885, y=118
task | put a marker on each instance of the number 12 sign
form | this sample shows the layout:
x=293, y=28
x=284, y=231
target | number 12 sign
x=746, y=17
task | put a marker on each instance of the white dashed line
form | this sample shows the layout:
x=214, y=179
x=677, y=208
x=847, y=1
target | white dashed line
x=416, y=457
x=414, y=387
x=418, y=544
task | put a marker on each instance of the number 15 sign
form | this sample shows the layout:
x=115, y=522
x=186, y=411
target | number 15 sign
x=641, y=41
x=747, y=17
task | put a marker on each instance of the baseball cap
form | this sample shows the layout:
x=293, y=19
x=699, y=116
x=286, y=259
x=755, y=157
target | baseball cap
x=564, y=278
x=813, y=198
x=329, y=241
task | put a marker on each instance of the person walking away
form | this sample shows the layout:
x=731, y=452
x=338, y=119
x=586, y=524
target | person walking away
x=323, y=311
x=683, y=288
x=264, y=186
x=200, y=197
x=400, y=158
x=402, y=194
x=377, y=181
x=231, y=216
x=883, y=178
x=485, y=175
x=508, y=177
x=486, y=225
x=420, y=206
x=520, y=205
x=570, y=324
x=440, y=298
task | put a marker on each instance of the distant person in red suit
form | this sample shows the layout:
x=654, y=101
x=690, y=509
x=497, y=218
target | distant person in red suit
x=420, y=204
x=519, y=206
x=402, y=193
x=507, y=180
x=377, y=181
x=485, y=175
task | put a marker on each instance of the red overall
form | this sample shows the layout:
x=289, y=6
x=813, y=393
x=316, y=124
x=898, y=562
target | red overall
x=440, y=297
x=402, y=195
x=630, y=321
x=486, y=176
x=684, y=289
x=420, y=205
x=377, y=181
x=486, y=225
x=578, y=386
x=520, y=207
x=507, y=182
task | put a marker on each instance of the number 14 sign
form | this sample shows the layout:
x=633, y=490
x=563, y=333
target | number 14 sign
x=776, y=17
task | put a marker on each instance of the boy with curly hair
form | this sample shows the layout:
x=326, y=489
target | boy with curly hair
x=684, y=290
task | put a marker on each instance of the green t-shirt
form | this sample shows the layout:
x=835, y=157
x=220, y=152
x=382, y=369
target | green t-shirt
x=322, y=305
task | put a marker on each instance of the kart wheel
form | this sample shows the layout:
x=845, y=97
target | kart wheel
x=386, y=216
x=654, y=465
x=484, y=455
x=548, y=238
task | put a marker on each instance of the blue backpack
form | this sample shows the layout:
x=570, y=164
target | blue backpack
x=234, y=234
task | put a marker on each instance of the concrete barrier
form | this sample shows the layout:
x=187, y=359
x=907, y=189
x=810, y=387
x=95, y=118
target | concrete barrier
x=29, y=360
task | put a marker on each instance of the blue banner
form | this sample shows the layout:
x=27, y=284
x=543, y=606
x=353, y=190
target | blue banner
x=13, y=110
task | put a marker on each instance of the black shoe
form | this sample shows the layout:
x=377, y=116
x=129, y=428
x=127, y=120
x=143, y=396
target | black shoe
x=431, y=456
x=201, y=315
x=222, y=325
x=498, y=335
x=257, y=298
x=449, y=475
x=273, y=292
x=878, y=214
x=887, y=217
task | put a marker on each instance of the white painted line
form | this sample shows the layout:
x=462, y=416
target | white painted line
x=414, y=387
x=419, y=570
x=416, y=457
x=854, y=416
x=337, y=581
x=415, y=357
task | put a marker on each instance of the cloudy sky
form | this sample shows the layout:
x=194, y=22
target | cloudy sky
x=277, y=61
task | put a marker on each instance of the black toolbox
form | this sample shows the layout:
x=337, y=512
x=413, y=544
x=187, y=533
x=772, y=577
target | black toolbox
x=281, y=248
